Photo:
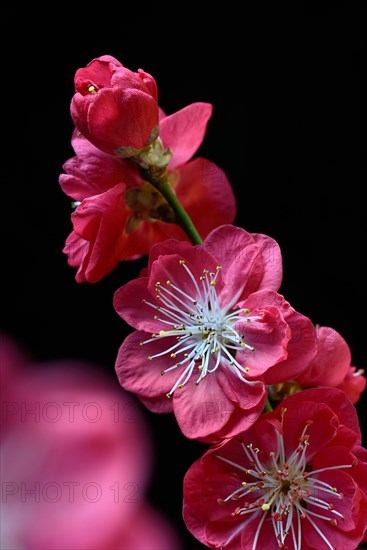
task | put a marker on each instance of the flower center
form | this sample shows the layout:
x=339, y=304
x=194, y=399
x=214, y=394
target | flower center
x=146, y=203
x=204, y=334
x=284, y=492
x=86, y=87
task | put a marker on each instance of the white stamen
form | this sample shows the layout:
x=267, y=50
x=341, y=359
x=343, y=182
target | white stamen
x=284, y=491
x=200, y=324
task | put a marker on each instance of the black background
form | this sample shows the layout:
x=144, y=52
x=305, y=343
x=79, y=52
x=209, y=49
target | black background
x=288, y=128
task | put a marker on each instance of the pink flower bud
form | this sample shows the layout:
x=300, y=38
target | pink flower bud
x=114, y=107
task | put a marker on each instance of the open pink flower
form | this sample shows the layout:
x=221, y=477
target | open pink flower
x=210, y=330
x=120, y=215
x=114, y=107
x=297, y=479
x=332, y=367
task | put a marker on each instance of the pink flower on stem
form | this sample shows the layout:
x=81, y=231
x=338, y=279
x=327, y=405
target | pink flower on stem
x=297, y=479
x=120, y=215
x=331, y=366
x=114, y=107
x=210, y=330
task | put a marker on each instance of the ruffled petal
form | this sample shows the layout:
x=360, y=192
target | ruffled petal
x=100, y=221
x=232, y=243
x=336, y=400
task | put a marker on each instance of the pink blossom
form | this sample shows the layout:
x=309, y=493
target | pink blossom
x=114, y=107
x=296, y=479
x=210, y=330
x=120, y=215
x=75, y=463
x=331, y=366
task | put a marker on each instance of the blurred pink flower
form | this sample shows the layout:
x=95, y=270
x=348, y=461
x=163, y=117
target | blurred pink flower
x=332, y=367
x=297, y=479
x=114, y=107
x=75, y=463
x=209, y=320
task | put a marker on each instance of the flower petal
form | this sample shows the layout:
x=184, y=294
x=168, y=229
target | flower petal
x=301, y=347
x=203, y=182
x=213, y=409
x=92, y=171
x=183, y=131
x=232, y=243
x=336, y=400
x=100, y=221
x=128, y=302
x=331, y=362
x=143, y=377
x=268, y=334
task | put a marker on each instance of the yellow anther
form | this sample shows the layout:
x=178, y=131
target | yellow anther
x=242, y=345
x=162, y=372
x=265, y=507
x=218, y=267
x=200, y=367
x=149, y=357
x=155, y=317
x=243, y=483
x=180, y=386
x=246, y=310
x=212, y=283
x=173, y=355
x=168, y=282
x=158, y=283
x=334, y=490
x=195, y=302
x=92, y=90
x=205, y=271
x=182, y=262
x=186, y=354
x=247, y=369
x=252, y=489
x=168, y=395
x=252, y=348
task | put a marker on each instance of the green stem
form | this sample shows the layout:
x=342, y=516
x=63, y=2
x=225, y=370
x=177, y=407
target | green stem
x=268, y=406
x=182, y=217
